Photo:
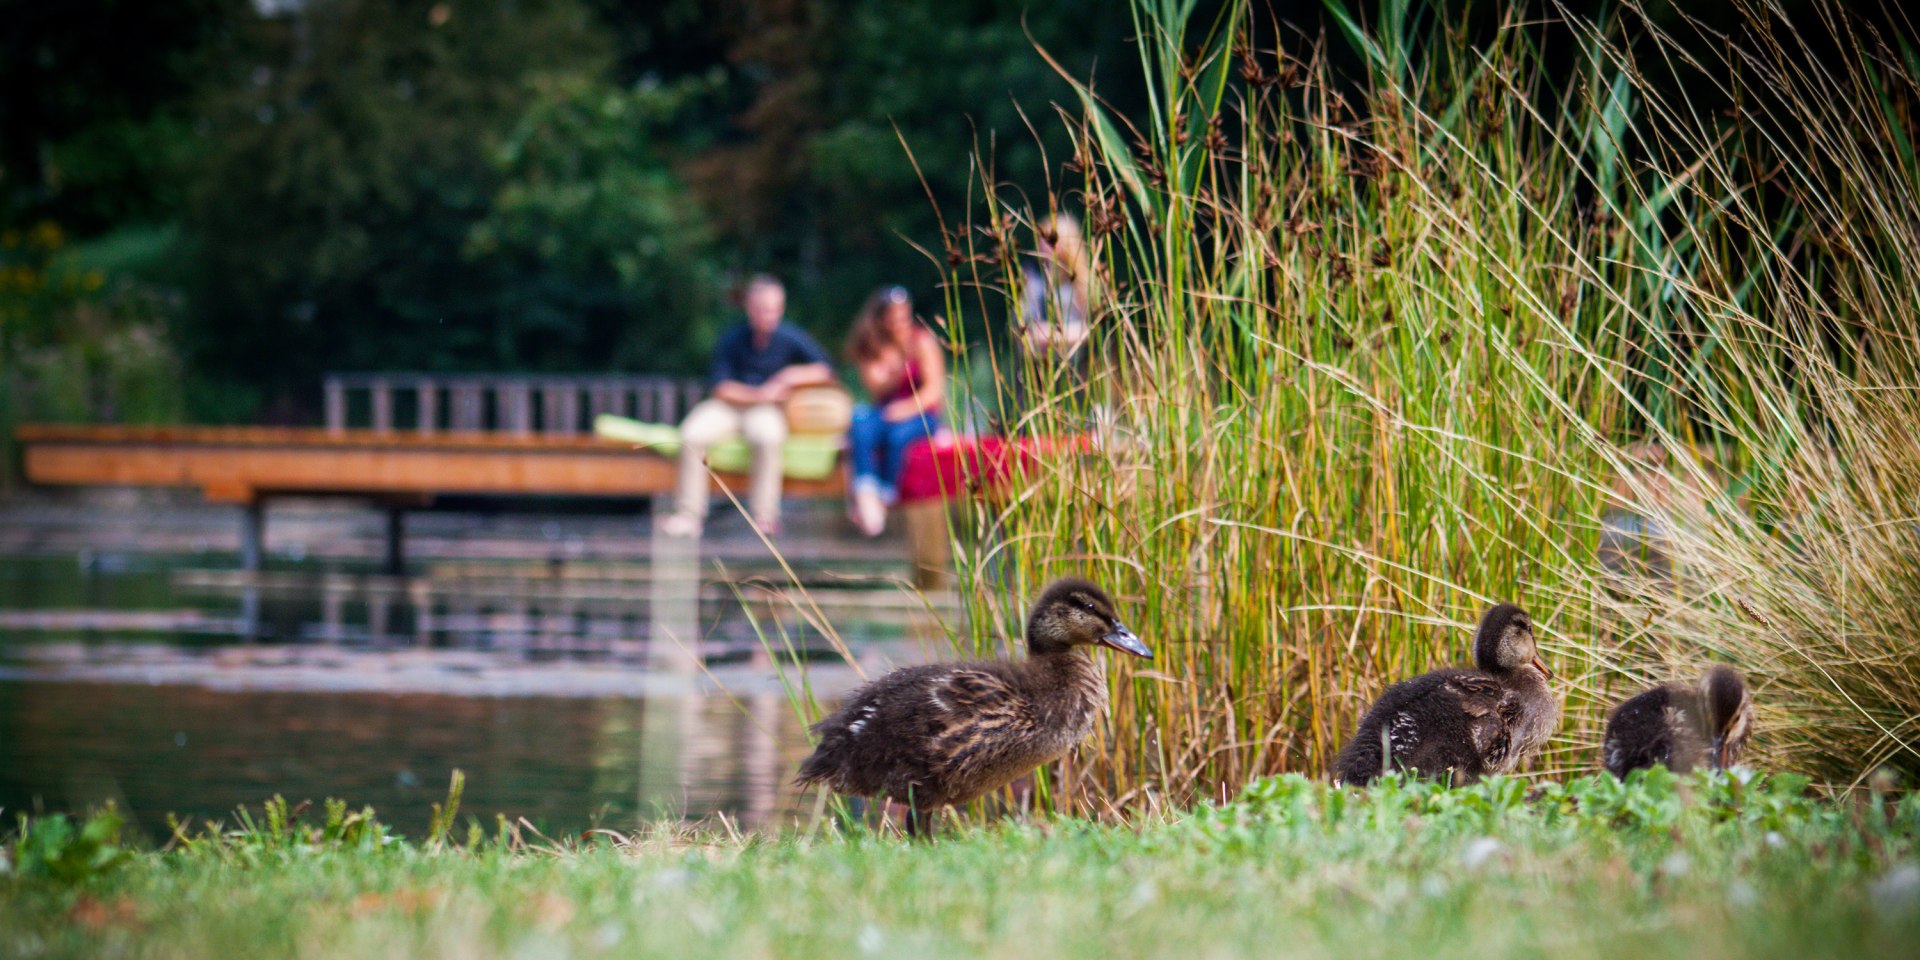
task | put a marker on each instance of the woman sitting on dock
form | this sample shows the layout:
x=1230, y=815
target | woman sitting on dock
x=904, y=370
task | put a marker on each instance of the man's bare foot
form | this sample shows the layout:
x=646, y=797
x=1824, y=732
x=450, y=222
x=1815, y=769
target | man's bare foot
x=873, y=513
x=866, y=508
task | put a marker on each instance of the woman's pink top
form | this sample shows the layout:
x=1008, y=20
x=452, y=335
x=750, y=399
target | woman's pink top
x=910, y=381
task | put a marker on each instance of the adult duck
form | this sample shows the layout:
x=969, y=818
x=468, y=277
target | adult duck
x=947, y=733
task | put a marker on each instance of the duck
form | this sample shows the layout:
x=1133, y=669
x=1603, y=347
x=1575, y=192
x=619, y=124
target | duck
x=943, y=734
x=1681, y=726
x=1461, y=724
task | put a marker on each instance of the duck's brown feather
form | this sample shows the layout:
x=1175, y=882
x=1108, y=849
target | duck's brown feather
x=1462, y=723
x=949, y=733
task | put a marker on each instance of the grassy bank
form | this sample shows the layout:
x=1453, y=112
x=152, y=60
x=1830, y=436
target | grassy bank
x=1692, y=868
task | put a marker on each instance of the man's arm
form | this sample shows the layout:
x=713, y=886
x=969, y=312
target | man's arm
x=808, y=366
x=739, y=394
x=791, y=378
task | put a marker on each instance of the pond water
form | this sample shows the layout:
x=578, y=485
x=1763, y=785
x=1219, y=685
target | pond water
x=580, y=673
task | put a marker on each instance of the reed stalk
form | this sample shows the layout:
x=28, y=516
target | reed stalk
x=1373, y=353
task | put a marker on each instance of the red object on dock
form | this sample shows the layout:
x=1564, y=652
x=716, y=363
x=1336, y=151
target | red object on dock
x=949, y=466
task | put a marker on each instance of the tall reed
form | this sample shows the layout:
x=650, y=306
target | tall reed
x=1370, y=356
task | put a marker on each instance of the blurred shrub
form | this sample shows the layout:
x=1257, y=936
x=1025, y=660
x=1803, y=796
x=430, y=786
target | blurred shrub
x=592, y=243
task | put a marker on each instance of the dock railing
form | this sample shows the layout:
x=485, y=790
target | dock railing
x=514, y=404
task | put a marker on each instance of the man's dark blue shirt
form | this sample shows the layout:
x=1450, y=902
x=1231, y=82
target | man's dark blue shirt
x=737, y=359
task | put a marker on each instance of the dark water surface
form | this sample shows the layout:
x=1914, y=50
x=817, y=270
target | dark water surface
x=578, y=673
x=564, y=763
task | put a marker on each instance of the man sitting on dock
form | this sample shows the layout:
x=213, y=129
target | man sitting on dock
x=756, y=366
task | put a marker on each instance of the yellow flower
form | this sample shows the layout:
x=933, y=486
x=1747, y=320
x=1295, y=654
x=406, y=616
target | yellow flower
x=47, y=234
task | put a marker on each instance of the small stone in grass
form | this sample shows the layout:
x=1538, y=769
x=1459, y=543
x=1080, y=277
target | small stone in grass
x=1480, y=851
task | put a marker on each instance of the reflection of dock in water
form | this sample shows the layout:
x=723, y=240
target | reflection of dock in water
x=567, y=663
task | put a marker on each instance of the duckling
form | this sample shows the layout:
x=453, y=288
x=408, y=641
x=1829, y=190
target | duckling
x=947, y=733
x=1467, y=723
x=1681, y=726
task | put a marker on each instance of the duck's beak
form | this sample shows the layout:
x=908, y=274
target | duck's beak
x=1542, y=664
x=1123, y=640
x=1719, y=753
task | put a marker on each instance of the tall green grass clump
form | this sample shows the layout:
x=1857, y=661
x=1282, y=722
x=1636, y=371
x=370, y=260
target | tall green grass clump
x=1634, y=346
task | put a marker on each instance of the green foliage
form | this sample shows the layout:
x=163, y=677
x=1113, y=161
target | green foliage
x=1656, y=867
x=327, y=225
x=549, y=185
x=97, y=126
x=81, y=340
x=55, y=849
x=281, y=829
x=1650, y=804
x=592, y=241
x=444, y=815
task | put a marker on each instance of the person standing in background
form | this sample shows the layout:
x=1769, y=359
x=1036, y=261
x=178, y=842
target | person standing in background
x=904, y=369
x=756, y=366
x=1055, y=306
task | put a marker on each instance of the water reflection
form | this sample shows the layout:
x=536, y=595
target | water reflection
x=564, y=763
x=627, y=679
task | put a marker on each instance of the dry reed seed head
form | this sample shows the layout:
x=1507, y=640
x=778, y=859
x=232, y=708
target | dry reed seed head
x=1251, y=72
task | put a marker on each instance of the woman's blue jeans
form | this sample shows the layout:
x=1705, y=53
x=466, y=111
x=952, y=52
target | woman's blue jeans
x=877, y=448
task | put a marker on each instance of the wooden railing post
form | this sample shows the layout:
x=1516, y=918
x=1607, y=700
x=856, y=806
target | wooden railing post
x=520, y=404
x=469, y=407
x=516, y=407
x=428, y=395
x=382, y=406
x=561, y=400
x=336, y=403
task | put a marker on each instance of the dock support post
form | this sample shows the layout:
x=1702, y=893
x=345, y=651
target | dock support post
x=396, y=540
x=253, y=528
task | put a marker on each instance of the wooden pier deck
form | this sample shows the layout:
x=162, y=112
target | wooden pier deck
x=398, y=470
x=243, y=464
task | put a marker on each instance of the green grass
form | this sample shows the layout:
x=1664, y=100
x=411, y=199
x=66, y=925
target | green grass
x=1697, y=867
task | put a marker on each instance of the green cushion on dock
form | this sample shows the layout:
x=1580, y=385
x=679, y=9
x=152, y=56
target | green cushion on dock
x=804, y=457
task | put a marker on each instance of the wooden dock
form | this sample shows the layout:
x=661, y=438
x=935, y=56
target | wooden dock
x=397, y=470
